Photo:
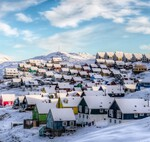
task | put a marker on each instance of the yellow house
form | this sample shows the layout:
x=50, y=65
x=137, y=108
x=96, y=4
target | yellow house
x=138, y=68
x=69, y=102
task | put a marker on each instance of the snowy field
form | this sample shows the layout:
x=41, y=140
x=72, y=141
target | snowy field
x=137, y=131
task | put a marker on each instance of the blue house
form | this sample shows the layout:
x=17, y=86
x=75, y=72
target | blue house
x=125, y=110
x=61, y=120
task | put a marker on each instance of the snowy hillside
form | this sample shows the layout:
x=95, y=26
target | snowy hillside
x=69, y=57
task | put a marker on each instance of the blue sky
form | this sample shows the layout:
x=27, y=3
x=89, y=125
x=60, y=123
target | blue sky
x=30, y=28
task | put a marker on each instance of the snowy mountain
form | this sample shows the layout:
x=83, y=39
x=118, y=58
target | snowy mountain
x=4, y=58
x=69, y=57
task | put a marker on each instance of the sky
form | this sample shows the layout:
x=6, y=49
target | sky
x=31, y=28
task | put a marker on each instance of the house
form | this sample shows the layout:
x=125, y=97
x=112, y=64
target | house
x=139, y=68
x=49, y=66
x=137, y=57
x=56, y=60
x=60, y=120
x=127, y=57
x=124, y=110
x=7, y=99
x=76, y=79
x=64, y=86
x=30, y=101
x=65, y=70
x=102, y=66
x=146, y=58
x=77, y=67
x=26, y=67
x=67, y=78
x=69, y=102
x=57, y=67
x=100, y=61
x=41, y=72
x=96, y=70
x=130, y=88
x=93, y=66
x=105, y=72
x=101, y=55
x=10, y=73
x=109, y=63
x=57, y=77
x=93, y=93
x=113, y=90
x=95, y=77
x=86, y=68
x=41, y=110
x=73, y=72
x=83, y=74
x=119, y=64
x=118, y=56
x=143, y=83
x=93, y=109
x=109, y=55
x=33, y=69
x=49, y=74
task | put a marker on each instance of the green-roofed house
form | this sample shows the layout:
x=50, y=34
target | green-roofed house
x=41, y=110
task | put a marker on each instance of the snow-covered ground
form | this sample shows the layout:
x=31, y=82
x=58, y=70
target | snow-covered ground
x=137, y=131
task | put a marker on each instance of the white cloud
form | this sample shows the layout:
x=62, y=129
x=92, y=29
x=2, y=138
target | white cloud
x=23, y=18
x=139, y=25
x=17, y=5
x=28, y=35
x=18, y=46
x=145, y=47
x=70, y=13
x=67, y=41
x=8, y=30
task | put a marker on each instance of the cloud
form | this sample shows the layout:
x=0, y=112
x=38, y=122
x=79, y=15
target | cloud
x=23, y=18
x=18, y=46
x=72, y=40
x=71, y=13
x=17, y=5
x=139, y=25
x=145, y=47
x=8, y=30
x=28, y=35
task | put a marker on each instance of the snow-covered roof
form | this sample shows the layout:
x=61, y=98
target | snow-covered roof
x=109, y=61
x=77, y=79
x=57, y=65
x=65, y=69
x=86, y=68
x=133, y=105
x=83, y=73
x=102, y=66
x=70, y=101
x=120, y=63
x=8, y=97
x=108, y=89
x=105, y=71
x=100, y=60
x=98, y=102
x=94, y=65
x=64, y=86
x=58, y=76
x=43, y=108
x=74, y=71
x=49, y=73
x=94, y=93
x=96, y=69
x=78, y=66
x=63, y=114
x=16, y=80
x=128, y=55
x=67, y=77
x=130, y=86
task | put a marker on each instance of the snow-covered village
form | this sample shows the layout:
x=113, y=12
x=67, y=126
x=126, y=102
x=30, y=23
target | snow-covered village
x=74, y=71
x=63, y=96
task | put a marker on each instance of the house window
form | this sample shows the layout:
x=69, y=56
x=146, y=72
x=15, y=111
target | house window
x=87, y=117
x=71, y=123
x=148, y=114
x=118, y=114
x=79, y=115
x=110, y=120
x=141, y=114
x=80, y=108
x=114, y=121
x=86, y=109
x=135, y=115
x=111, y=113
x=83, y=115
x=64, y=123
x=101, y=110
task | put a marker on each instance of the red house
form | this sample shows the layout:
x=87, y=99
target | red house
x=7, y=99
